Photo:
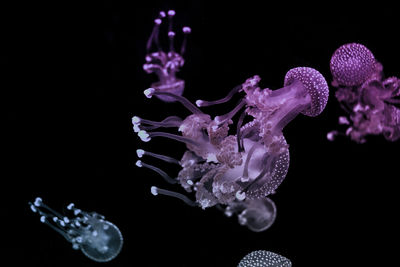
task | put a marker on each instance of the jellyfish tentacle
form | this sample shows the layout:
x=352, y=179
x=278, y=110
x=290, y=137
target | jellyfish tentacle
x=156, y=191
x=140, y=124
x=171, y=34
x=186, y=30
x=50, y=217
x=183, y=100
x=239, y=139
x=203, y=103
x=245, y=174
x=154, y=35
x=140, y=153
x=174, y=137
x=224, y=118
x=163, y=174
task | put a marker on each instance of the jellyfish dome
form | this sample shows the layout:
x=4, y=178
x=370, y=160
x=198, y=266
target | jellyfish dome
x=263, y=258
x=352, y=64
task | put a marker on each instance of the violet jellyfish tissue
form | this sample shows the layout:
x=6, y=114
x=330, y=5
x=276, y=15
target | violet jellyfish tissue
x=165, y=64
x=234, y=166
x=370, y=100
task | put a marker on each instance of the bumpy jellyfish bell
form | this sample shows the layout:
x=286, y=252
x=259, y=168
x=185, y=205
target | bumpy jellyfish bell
x=352, y=64
x=315, y=85
x=262, y=258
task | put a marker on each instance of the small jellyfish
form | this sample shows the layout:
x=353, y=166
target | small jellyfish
x=257, y=214
x=263, y=258
x=166, y=64
x=236, y=171
x=370, y=100
x=97, y=238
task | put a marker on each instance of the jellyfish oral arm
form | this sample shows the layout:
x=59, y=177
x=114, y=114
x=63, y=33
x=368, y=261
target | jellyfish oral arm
x=203, y=103
x=156, y=191
x=292, y=100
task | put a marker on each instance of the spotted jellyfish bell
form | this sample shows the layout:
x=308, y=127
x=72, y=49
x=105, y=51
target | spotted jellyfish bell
x=263, y=258
x=98, y=239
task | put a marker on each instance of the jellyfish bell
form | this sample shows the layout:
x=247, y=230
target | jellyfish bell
x=263, y=258
x=165, y=64
x=98, y=239
x=352, y=64
x=106, y=245
x=370, y=99
x=315, y=85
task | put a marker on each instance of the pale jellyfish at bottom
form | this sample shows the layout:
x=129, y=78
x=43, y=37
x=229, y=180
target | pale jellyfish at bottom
x=97, y=238
x=263, y=258
x=257, y=214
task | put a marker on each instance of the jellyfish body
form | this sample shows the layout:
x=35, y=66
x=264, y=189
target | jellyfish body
x=263, y=258
x=370, y=100
x=98, y=239
x=238, y=171
x=165, y=64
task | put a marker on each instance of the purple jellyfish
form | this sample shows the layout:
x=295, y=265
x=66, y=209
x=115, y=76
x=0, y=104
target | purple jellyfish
x=165, y=64
x=362, y=91
x=263, y=258
x=236, y=172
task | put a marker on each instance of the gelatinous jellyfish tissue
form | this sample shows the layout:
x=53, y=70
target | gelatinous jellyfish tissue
x=370, y=100
x=235, y=172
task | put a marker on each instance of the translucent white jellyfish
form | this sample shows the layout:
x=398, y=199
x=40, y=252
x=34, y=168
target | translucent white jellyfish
x=263, y=258
x=237, y=171
x=97, y=238
x=257, y=214
x=165, y=64
x=370, y=100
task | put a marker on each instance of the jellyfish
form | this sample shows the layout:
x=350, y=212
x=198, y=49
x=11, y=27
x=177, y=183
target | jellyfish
x=236, y=172
x=165, y=64
x=263, y=258
x=98, y=239
x=257, y=214
x=371, y=101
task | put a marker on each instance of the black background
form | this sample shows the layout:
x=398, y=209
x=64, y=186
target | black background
x=73, y=80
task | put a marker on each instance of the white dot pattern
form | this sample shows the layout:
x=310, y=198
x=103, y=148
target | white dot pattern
x=274, y=179
x=352, y=64
x=262, y=258
x=315, y=85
